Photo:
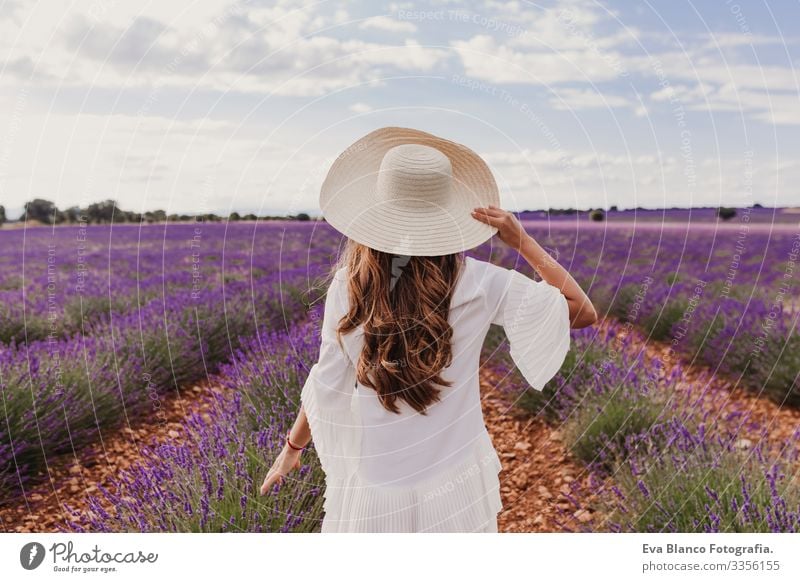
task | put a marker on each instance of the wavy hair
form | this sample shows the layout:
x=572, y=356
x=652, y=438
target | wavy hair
x=403, y=303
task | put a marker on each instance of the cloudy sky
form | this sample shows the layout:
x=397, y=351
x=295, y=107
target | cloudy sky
x=215, y=105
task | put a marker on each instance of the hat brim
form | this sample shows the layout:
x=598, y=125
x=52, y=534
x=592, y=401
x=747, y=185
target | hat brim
x=349, y=203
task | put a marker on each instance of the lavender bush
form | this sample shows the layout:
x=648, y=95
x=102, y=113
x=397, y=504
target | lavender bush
x=720, y=297
x=693, y=481
x=210, y=483
x=59, y=393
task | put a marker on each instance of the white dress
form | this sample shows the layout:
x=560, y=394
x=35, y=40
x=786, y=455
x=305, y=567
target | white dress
x=386, y=472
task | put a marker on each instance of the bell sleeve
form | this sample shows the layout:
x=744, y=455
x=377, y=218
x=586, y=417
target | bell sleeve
x=535, y=317
x=328, y=395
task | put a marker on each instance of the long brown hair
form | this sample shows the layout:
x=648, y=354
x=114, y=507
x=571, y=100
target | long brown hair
x=403, y=302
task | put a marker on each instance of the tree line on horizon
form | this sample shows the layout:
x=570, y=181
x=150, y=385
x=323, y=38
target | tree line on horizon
x=107, y=212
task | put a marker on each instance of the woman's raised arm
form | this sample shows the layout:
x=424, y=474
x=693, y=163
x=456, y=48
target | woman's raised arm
x=581, y=311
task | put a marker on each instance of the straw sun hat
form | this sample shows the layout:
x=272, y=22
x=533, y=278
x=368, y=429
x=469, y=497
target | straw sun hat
x=408, y=192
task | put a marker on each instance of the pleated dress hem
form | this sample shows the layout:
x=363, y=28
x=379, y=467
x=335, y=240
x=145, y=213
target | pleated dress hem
x=464, y=498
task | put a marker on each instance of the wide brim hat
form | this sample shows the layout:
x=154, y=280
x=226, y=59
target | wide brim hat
x=408, y=192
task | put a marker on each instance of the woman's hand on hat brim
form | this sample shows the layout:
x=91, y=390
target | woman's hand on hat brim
x=509, y=228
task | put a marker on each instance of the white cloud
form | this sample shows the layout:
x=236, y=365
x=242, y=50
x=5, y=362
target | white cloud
x=278, y=49
x=484, y=58
x=681, y=92
x=340, y=16
x=774, y=107
x=561, y=45
x=575, y=99
x=736, y=39
x=360, y=108
x=387, y=24
x=697, y=67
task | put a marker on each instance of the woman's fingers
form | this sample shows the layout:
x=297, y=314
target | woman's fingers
x=491, y=210
x=485, y=215
x=274, y=476
x=270, y=480
x=490, y=220
x=264, y=486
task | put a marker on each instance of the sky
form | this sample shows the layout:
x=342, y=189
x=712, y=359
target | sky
x=222, y=106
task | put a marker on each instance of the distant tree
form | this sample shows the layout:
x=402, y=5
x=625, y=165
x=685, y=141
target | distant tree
x=152, y=216
x=250, y=217
x=597, y=215
x=757, y=205
x=302, y=216
x=41, y=210
x=72, y=214
x=726, y=213
x=102, y=212
x=613, y=208
x=2, y=215
x=234, y=216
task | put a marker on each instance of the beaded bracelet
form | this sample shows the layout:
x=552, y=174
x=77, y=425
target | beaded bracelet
x=288, y=442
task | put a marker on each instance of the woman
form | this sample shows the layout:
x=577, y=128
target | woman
x=393, y=403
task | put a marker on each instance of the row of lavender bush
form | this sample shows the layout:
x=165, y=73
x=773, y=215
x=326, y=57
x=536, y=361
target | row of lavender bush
x=59, y=396
x=210, y=482
x=60, y=393
x=56, y=281
x=661, y=455
x=724, y=298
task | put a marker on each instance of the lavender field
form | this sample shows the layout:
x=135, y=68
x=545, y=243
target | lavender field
x=97, y=324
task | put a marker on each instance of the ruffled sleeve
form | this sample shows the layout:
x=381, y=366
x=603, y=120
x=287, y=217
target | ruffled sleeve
x=328, y=396
x=535, y=317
